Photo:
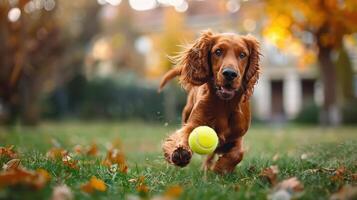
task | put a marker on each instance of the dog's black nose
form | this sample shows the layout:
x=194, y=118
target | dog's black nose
x=229, y=74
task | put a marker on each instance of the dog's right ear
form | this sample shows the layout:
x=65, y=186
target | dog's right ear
x=194, y=61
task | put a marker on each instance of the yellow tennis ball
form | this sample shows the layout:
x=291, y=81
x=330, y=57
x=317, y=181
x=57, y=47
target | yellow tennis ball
x=203, y=140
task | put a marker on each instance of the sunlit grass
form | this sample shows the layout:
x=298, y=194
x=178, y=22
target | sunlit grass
x=327, y=148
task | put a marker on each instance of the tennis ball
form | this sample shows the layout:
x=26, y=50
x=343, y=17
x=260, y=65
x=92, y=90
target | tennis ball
x=203, y=140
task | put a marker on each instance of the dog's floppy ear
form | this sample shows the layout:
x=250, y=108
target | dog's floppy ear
x=252, y=70
x=194, y=61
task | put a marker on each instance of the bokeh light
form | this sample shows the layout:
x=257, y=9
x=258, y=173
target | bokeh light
x=14, y=14
x=142, y=5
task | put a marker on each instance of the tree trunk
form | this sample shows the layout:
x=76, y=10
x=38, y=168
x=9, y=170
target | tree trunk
x=330, y=113
x=29, y=92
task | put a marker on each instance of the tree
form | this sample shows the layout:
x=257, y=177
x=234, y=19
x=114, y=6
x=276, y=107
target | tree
x=32, y=46
x=170, y=40
x=328, y=22
x=28, y=46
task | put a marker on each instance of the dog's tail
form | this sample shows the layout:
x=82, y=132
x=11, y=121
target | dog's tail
x=168, y=76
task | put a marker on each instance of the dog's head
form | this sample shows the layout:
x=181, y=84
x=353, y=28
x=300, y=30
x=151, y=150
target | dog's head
x=228, y=61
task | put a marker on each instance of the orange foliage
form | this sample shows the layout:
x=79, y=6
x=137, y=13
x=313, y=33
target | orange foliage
x=94, y=184
x=21, y=176
x=271, y=173
x=115, y=158
x=174, y=191
x=8, y=152
x=56, y=153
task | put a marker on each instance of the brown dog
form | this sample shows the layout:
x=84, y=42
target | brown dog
x=219, y=72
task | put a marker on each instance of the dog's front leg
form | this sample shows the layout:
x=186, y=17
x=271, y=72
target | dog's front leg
x=228, y=161
x=176, y=149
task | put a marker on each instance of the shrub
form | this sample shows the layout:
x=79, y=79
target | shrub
x=309, y=114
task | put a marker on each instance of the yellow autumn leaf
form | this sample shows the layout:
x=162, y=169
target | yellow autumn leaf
x=94, y=184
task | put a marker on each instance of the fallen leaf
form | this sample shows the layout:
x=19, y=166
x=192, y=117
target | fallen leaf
x=62, y=192
x=21, y=176
x=42, y=177
x=339, y=174
x=123, y=168
x=271, y=173
x=347, y=192
x=56, y=153
x=174, y=191
x=132, y=180
x=8, y=152
x=280, y=195
x=93, y=150
x=12, y=164
x=78, y=149
x=115, y=156
x=94, y=184
x=142, y=189
x=69, y=162
x=291, y=184
x=328, y=169
x=287, y=189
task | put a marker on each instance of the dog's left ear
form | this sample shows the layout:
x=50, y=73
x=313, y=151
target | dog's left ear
x=194, y=61
x=252, y=71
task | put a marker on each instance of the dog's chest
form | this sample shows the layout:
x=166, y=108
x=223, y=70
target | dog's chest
x=226, y=127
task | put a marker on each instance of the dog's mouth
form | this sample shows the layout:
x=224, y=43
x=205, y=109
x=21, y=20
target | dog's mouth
x=225, y=92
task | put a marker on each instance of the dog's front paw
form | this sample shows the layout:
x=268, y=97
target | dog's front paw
x=181, y=156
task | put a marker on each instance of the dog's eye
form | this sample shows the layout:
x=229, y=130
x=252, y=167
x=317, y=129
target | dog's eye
x=218, y=52
x=242, y=55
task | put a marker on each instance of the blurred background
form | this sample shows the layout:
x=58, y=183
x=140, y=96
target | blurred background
x=103, y=59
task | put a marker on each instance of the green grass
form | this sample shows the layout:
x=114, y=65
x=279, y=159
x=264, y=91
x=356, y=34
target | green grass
x=325, y=148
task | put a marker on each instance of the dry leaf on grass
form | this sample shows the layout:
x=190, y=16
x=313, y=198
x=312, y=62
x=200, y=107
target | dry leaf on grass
x=292, y=184
x=78, y=149
x=56, y=153
x=174, y=191
x=8, y=152
x=21, y=176
x=69, y=162
x=115, y=157
x=62, y=192
x=171, y=193
x=92, y=150
x=271, y=173
x=94, y=184
x=339, y=174
x=312, y=171
x=12, y=164
x=132, y=180
x=141, y=187
x=287, y=189
x=347, y=192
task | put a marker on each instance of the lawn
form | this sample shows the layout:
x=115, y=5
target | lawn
x=311, y=154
